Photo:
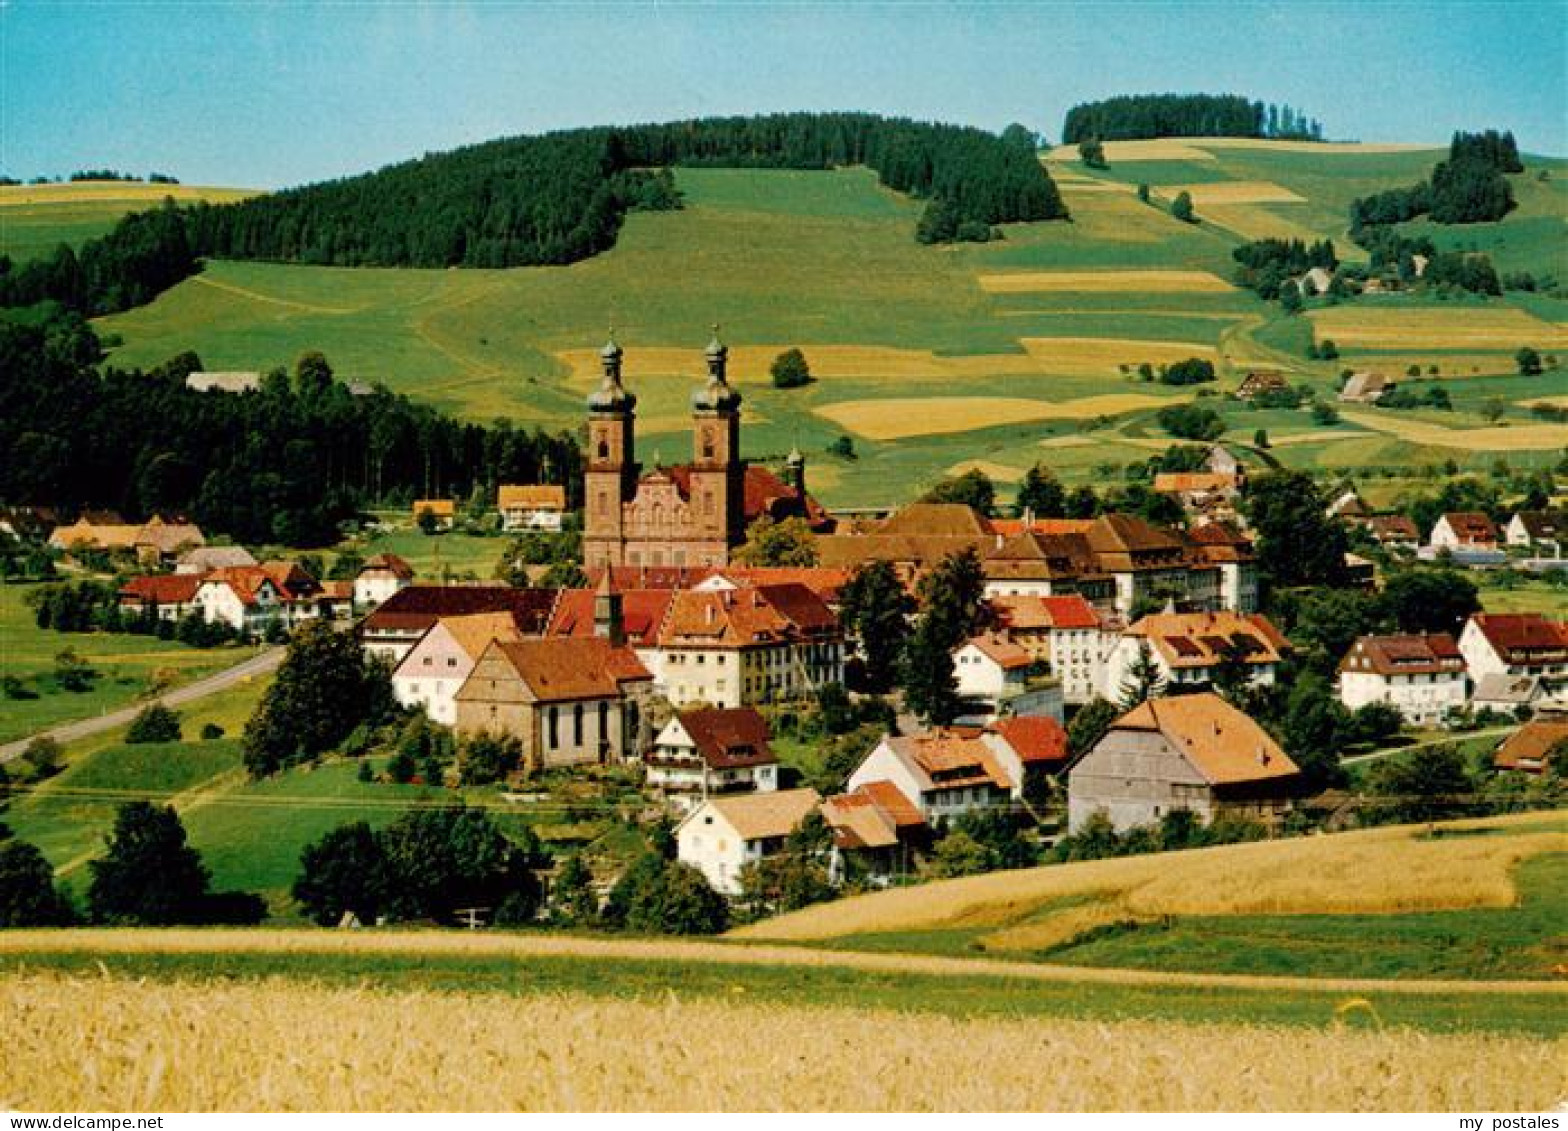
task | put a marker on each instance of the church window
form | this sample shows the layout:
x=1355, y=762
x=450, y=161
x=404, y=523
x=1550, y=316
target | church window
x=604, y=449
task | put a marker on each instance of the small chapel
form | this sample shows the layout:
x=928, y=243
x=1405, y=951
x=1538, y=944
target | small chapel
x=691, y=514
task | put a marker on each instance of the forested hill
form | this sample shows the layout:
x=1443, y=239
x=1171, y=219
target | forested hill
x=1132, y=116
x=551, y=199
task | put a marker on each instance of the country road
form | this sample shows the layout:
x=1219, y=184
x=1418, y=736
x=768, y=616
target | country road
x=1457, y=736
x=259, y=664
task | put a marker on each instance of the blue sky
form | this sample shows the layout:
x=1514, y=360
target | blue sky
x=269, y=94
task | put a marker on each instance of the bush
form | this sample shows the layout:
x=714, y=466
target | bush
x=155, y=723
x=790, y=371
x=28, y=896
x=211, y=732
x=1191, y=422
x=1193, y=371
x=42, y=758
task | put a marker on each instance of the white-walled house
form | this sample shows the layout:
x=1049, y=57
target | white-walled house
x=380, y=578
x=944, y=773
x=526, y=506
x=1067, y=633
x=1515, y=645
x=991, y=668
x=1423, y=676
x=1544, y=531
x=428, y=677
x=245, y=598
x=724, y=834
x=1463, y=530
x=711, y=751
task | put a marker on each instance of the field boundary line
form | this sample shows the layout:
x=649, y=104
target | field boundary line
x=257, y=296
x=442, y=944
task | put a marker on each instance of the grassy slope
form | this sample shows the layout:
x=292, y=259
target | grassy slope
x=826, y=259
x=126, y=665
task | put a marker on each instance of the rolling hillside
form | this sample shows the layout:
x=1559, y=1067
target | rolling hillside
x=1005, y=353
x=35, y=219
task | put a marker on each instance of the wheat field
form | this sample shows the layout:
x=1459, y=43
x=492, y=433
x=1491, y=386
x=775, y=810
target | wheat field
x=1332, y=874
x=898, y=418
x=93, y=192
x=117, y=1044
x=1393, y=328
x=1234, y=192
x=1509, y=437
x=1145, y=282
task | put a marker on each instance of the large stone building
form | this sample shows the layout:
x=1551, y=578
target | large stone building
x=687, y=515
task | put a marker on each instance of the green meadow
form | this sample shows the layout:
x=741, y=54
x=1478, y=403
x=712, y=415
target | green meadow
x=825, y=261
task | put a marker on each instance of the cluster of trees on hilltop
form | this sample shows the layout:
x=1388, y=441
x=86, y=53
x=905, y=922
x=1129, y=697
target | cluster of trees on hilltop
x=551, y=199
x=1468, y=188
x=1132, y=116
x=1266, y=264
x=284, y=464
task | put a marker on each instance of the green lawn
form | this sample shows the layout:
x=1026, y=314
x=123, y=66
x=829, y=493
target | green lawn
x=128, y=666
x=955, y=995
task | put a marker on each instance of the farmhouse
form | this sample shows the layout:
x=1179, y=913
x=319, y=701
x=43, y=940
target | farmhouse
x=1514, y=644
x=1192, y=752
x=1423, y=676
x=399, y=623
x=442, y=512
x=154, y=542
x=530, y=506
x=709, y=751
x=689, y=514
x=205, y=558
x=430, y=674
x=568, y=700
x=951, y=771
x=1261, y=381
x=724, y=834
x=1394, y=531
x=1366, y=388
x=379, y=578
x=246, y=598
x=1529, y=749
x=1463, y=530
x=1190, y=649
x=168, y=596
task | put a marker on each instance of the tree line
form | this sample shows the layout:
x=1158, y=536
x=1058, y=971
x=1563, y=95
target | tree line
x=1468, y=188
x=285, y=463
x=1131, y=116
x=548, y=199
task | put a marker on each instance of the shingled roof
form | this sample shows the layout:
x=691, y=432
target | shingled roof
x=728, y=738
x=1199, y=640
x=561, y=668
x=1430, y=654
x=1224, y=745
x=417, y=607
x=642, y=614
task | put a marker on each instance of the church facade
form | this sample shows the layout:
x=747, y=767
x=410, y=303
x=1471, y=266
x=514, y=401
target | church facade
x=691, y=514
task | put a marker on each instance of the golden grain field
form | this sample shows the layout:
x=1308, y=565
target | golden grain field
x=1320, y=147
x=87, y=192
x=1153, y=149
x=1234, y=192
x=644, y=362
x=1145, y=282
x=117, y=1044
x=1103, y=356
x=897, y=418
x=1368, y=871
x=1496, y=437
x=1371, y=327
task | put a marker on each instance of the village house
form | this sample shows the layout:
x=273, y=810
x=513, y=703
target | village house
x=28, y=524
x=246, y=598
x=724, y=834
x=1423, y=676
x=735, y=648
x=1514, y=645
x=1259, y=381
x=1202, y=493
x=632, y=617
x=1365, y=388
x=877, y=835
x=1350, y=506
x=1512, y=695
x=1191, y=752
x=442, y=512
x=568, y=700
x=688, y=514
x=430, y=675
x=531, y=506
x=1529, y=749
x=168, y=596
x=1190, y=649
x=1066, y=633
x=204, y=559
x=401, y=621
x=827, y=584
x=379, y=578
x=1394, y=531
x=158, y=541
x=1463, y=530
x=997, y=677
x=708, y=751
x=1543, y=531
x=1223, y=548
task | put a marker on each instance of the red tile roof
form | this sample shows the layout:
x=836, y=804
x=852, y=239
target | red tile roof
x=626, y=578
x=417, y=607
x=388, y=563
x=1224, y=745
x=559, y=668
x=1529, y=747
x=1036, y=739
x=763, y=494
x=1000, y=650
x=1471, y=526
x=1517, y=636
x=642, y=614
x=163, y=589
x=728, y=737
x=1404, y=655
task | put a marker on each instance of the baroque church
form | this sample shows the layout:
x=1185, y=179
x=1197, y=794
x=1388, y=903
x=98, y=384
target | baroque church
x=691, y=514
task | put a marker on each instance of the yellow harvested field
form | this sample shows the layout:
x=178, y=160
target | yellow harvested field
x=1330, y=874
x=1002, y=471
x=1255, y=221
x=1234, y=192
x=898, y=418
x=88, y=192
x=1147, y=282
x=1314, y=437
x=1153, y=149
x=1341, y=147
x=1496, y=437
x=1503, y=327
x=1097, y=356
x=119, y=1044
x=1073, y=441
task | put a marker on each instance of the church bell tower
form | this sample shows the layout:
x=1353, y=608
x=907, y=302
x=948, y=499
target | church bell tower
x=611, y=475
x=717, y=474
